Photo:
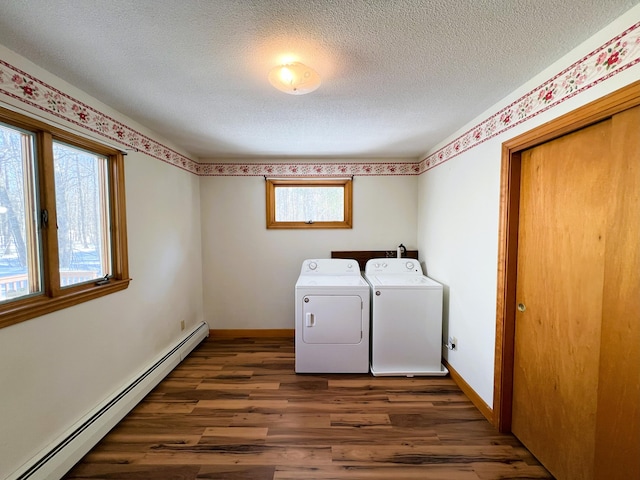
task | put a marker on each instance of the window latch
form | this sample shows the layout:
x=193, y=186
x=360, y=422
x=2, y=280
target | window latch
x=44, y=218
x=104, y=280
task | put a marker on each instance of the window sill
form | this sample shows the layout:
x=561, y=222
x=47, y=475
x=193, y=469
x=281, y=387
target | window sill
x=305, y=225
x=21, y=310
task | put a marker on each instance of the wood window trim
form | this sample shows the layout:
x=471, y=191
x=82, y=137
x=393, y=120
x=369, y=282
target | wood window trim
x=53, y=298
x=272, y=184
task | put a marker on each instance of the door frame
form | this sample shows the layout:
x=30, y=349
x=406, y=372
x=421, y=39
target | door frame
x=603, y=108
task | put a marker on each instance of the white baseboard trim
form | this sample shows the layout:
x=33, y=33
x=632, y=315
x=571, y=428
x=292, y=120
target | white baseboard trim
x=62, y=454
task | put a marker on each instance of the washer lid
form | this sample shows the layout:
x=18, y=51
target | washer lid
x=414, y=281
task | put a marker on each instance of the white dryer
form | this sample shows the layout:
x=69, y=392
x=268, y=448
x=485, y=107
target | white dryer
x=332, y=308
x=406, y=319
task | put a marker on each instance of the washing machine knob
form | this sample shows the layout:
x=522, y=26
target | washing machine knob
x=409, y=265
x=313, y=265
x=384, y=265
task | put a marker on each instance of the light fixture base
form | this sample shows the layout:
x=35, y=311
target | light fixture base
x=294, y=78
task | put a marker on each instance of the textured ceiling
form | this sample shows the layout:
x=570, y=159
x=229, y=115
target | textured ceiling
x=398, y=76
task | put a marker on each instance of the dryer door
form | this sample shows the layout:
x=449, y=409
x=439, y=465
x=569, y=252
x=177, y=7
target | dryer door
x=332, y=319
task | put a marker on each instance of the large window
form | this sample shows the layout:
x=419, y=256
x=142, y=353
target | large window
x=62, y=219
x=299, y=203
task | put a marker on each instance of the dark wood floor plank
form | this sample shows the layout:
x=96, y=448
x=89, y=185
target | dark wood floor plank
x=395, y=472
x=294, y=421
x=135, y=472
x=235, y=409
x=236, y=472
x=349, y=436
x=234, y=454
x=122, y=437
x=503, y=471
x=233, y=435
x=359, y=419
x=421, y=454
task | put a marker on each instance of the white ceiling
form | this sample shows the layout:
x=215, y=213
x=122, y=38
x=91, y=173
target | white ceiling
x=398, y=76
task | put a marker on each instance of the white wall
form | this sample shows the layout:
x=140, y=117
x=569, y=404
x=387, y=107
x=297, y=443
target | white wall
x=458, y=216
x=56, y=368
x=249, y=272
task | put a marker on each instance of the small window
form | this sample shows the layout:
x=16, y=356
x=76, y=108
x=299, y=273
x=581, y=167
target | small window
x=62, y=219
x=298, y=203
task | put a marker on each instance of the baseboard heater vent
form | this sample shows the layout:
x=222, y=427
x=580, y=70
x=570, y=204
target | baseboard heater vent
x=55, y=460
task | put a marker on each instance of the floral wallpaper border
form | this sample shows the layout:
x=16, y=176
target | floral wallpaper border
x=308, y=169
x=617, y=55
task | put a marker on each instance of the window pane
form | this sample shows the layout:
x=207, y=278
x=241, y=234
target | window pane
x=84, y=246
x=303, y=204
x=20, y=257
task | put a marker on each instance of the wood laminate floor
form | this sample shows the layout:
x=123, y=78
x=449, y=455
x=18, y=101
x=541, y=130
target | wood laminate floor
x=235, y=409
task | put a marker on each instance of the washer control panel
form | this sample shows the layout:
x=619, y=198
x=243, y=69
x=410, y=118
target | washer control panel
x=393, y=266
x=330, y=266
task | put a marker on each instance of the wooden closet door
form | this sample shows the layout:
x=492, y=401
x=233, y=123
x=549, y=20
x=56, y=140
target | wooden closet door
x=618, y=416
x=563, y=208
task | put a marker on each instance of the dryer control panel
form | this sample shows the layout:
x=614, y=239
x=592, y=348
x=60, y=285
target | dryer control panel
x=330, y=266
x=393, y=266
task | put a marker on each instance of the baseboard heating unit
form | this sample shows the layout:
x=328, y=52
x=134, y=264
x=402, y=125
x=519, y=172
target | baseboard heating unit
x=61, y=455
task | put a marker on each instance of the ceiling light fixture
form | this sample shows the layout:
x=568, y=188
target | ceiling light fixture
x=294, y=78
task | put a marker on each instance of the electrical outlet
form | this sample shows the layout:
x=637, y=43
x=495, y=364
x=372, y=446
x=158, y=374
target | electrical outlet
x=181, y=325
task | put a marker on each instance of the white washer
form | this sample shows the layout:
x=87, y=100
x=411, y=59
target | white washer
x=406, y=319
x=332, y=317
